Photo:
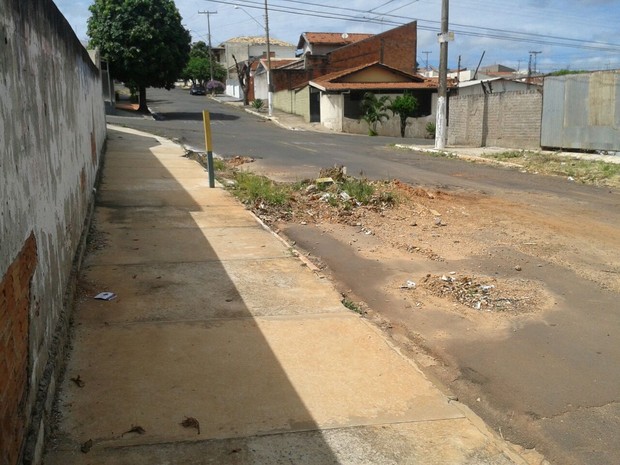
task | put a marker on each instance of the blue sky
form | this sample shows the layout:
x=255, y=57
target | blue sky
x=575, y=34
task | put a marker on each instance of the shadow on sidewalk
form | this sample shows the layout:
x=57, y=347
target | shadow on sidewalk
x=180, y=340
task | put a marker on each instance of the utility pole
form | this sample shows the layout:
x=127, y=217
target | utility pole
x=426, y=53
x=269, y=83
x=529, y=68
x=441, y=131
x=209, y=13
x=535, y=60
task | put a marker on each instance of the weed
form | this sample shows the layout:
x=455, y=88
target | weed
x=258, y=104
x=219, y=164
x=388, y=197
x=585, y=171
x=430, y=129
x=351, y=305
x=509, y=155
x=252, y=188
x=360, y=189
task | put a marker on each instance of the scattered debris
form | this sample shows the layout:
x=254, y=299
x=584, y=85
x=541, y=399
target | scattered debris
x=324, y=182
x=408, y=285
x=191, y=422
x=337, y=173
x=479, y=294
x=106, y=296
x=238, y=160
x=78, y=381
x=134, y=429
x=85, y=447
x=311, y=189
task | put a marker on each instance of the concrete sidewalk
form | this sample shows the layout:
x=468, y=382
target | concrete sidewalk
x=216, y=323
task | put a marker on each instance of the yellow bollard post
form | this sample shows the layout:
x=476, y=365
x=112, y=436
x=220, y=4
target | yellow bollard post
x=206, y=118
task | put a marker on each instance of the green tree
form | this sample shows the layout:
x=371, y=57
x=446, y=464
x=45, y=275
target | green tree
x=198, y=68
x=374, y=110
x=143, y=41
x=405, y=106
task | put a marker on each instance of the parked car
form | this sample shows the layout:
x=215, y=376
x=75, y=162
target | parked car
x=197, y=90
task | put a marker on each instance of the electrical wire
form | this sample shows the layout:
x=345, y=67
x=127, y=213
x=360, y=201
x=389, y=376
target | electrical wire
x=430, y=25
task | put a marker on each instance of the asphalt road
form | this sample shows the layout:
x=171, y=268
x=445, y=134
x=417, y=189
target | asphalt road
x=580, y=416
x=295, y=155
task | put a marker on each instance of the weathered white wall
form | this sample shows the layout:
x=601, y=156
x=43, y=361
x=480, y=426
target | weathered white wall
x=52, y=130
x=332, y=111
x=261, y=89
x=416, y=127
x=296, y=102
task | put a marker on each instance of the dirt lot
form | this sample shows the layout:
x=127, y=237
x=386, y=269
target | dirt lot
x=464, y=283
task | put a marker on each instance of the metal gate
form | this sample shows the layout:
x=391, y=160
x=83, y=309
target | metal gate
x=582, y=111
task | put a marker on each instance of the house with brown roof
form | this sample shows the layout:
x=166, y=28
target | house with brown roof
x=259, y=75
x=338, y=97
x=329, y=88
x=247, y=49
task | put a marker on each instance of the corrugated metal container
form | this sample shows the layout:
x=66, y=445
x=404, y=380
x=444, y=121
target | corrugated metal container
x=582, y=111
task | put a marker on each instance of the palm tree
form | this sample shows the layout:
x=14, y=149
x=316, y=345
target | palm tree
x=374, y=110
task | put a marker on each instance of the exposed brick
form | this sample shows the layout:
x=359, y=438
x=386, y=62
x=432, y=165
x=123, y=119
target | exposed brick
x=14, y=326
x=395, y=48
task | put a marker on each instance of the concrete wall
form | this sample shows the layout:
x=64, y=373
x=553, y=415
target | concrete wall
x=296, y=102
x=416, y=127
x=261, y=89
x=233, y=88
x=511, y=119
x=52, y=128
x=332, y=111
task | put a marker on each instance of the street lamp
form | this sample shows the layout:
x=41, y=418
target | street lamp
x=266, y=28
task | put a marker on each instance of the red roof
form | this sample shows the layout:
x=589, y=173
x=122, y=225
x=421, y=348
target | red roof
x=410, y=81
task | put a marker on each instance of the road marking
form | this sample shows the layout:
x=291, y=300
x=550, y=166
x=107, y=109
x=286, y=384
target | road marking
x=299, y=147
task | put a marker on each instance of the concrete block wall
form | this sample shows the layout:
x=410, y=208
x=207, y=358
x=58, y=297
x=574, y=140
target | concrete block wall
x=509, y=119
x=52, y=128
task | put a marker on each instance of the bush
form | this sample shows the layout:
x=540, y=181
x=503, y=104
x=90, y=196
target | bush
x=215, y=87
x=258, y=104
x=430, y=129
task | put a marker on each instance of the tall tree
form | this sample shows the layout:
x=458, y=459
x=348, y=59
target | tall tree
x=143, y=41
x=198, y=68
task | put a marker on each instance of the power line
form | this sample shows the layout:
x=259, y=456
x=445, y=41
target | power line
x=462, y=29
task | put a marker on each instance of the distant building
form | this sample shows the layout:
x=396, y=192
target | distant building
x=249, y=49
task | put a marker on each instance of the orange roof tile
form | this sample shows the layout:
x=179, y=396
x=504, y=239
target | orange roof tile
x=329, y=82
x=339, y=74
